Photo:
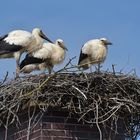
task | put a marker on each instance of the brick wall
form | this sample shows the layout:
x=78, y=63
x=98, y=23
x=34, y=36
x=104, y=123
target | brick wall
x=55, y=126
x=58, y=131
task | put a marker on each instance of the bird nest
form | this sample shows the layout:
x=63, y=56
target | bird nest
x=96, y=98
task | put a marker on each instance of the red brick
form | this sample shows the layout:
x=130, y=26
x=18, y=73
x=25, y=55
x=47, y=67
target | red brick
x=46, y=125
x=46, y=138
x=35, y=134
x=43, y=138
x=53, y=133
x=35, y=128
x=23, y=138
x=63, y=138
x=68, y=133
x=20, y=134
x=63, y=126
x=83, y=139
x=38, y=138
x=58, y=126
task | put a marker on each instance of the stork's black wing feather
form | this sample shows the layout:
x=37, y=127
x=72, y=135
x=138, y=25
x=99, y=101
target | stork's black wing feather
x=6, y=47
x=30, y=60
x=3, y=37
x=82, y=57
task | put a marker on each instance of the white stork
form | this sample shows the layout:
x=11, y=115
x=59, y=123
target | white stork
x=93, y=52
x=49, y=55
x=16, y=42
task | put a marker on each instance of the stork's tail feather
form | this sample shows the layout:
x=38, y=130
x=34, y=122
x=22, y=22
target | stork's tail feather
x=84, y=67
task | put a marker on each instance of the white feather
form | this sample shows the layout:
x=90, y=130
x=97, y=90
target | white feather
x=45, y=52
x=28, y=68
x=52, y=53
x=28, y=41
x=19, y=37
x=96, y=51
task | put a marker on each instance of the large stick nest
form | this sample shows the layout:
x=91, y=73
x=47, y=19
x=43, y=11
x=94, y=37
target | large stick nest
x=93, y=97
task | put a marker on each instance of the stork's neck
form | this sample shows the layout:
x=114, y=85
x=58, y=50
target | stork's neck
x=36, y=44
x=38, y=39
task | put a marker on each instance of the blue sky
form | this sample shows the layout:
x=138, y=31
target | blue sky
x=77, y=21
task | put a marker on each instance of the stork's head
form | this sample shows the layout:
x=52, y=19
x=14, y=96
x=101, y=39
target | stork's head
x=105, y=42
x=38, y=32
x=60, y=42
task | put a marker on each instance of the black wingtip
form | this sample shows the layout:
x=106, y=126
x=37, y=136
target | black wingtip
x=30, y=60
x=23, y=62
x=3, y=37
x=82, y=57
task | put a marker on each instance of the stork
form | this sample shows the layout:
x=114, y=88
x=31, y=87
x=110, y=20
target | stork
x=45, y=58
x=93, y=52
x=13, y=44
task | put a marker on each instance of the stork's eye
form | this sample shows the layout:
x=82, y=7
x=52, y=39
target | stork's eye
x=104, y=41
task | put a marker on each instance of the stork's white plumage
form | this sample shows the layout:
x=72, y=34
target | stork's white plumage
x=16, y=42
x=49, y=55
x=93, y=52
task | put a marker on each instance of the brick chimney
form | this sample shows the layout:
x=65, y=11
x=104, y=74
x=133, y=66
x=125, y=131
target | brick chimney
x=55, y=125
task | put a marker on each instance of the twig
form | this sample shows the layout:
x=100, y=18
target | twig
x=79, y=91
x=113, y=68
x=97, y=124
x=5, y=78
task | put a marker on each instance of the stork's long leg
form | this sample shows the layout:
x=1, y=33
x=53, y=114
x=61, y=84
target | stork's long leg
x=99, y=67
x=50, y=69
x=17, y=68
x=17, y=56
